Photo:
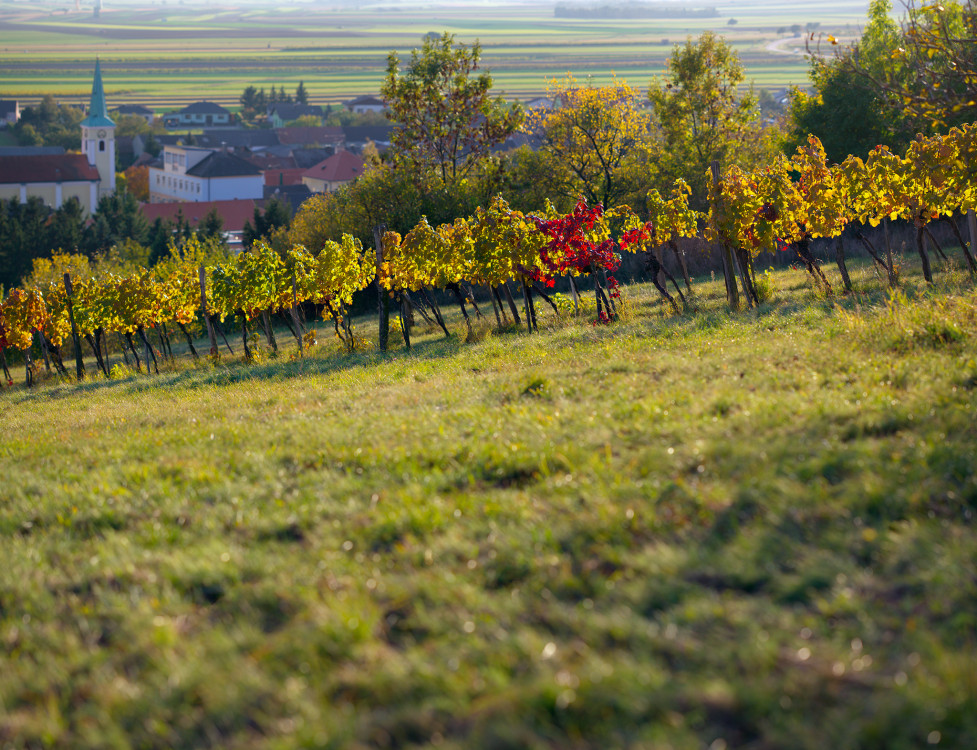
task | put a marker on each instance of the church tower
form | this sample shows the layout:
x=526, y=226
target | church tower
x=98, y=137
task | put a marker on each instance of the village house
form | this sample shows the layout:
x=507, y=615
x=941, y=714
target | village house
x=198, y=115
x=331, y=174
x=280, y=114
x=363, y=104
x=9, y=112
x=192, y=174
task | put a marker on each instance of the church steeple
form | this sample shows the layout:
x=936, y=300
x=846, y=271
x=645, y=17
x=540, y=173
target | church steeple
x=98, y=135
x=98, y=112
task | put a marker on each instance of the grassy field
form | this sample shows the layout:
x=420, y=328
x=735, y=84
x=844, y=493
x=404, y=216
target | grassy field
x=687, y=531
x=166, y=55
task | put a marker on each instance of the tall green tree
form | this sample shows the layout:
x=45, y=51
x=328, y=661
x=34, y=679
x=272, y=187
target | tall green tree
x=701, y=115
x=117, y=218
x=275, y=215
x=447, y=120
x=846, y=109
x=301, y=94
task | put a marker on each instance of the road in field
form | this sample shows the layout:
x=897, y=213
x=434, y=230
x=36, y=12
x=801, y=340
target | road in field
x=169, y=55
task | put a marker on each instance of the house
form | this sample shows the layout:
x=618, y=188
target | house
x=9, y=112
x=198, y=115
x=192, y=174
x=136, y=110
x=366, y=104
x=279, y=114
x=234, y=214
x=51, y=177
x=311, y=136
x=331, y=174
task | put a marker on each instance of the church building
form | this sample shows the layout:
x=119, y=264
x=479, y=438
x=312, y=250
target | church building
x=56, y=178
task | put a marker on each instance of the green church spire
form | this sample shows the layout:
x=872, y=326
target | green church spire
x=98, y=113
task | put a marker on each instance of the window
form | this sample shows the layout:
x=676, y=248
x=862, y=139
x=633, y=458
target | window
x=101, y=145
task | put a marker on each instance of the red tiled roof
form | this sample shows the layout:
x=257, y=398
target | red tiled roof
x=340, y=167
x=304, y=136
x=62, y=168
x=233, y=213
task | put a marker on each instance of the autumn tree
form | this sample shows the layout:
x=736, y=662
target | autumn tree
x=137, y=182
x=447, y=121
x=701, y=115
x=587, y=139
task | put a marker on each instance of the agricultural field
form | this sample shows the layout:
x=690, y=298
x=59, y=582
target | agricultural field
x=675, y=531
x=163, y=55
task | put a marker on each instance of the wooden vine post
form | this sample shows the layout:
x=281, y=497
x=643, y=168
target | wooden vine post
x=79, y=362
x=214, y=351
x=729, y=267
x=383, y=299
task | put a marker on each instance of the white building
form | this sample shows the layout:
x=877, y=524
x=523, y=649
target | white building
x=192, y=174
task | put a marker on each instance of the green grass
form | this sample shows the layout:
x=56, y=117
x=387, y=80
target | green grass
x=750, y=530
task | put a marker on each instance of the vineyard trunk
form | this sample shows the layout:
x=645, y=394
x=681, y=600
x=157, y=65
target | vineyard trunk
x=971, y=265
x=186, y=333
x=840, y=259
x=214, y=349
x=891, y=267
x=98, y=355
x=574, y=294
x=680, y=257
x=923, y=256
x=932, y=239
x=132, y=348
x=295, y=319
x=495, y=307
x=220, y=329
x=406, y=317
x=42, y=342
x=269, y=332
x=244, y=337
x=383, y=299
x=512, y=303
x=972, y=226
x=149, y=352
x=79, y=361
x=125, y=351
x=6, y=370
